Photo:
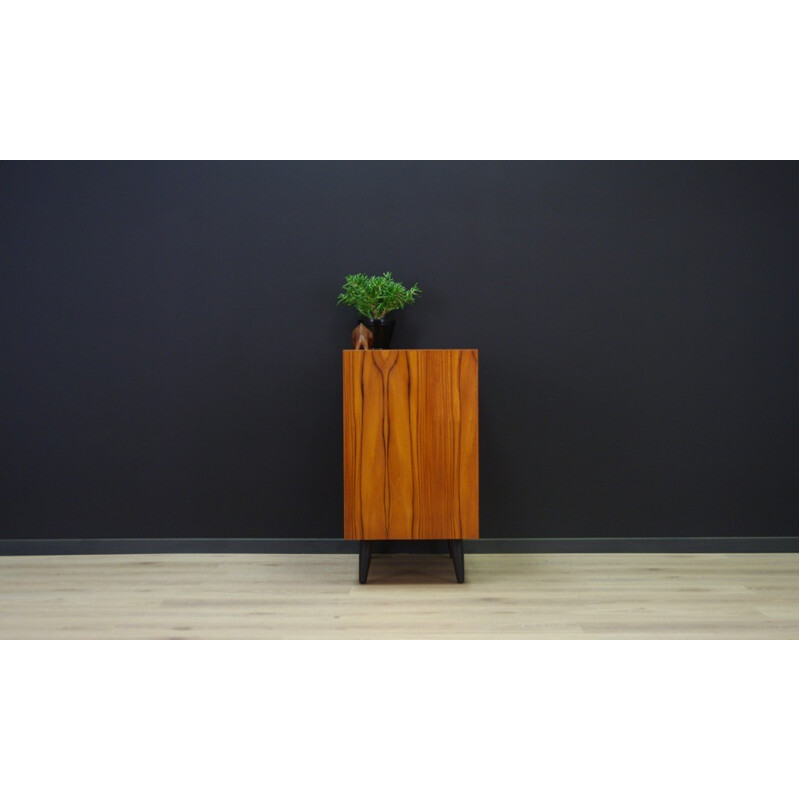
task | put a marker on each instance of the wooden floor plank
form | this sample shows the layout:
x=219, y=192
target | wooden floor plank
x=506, y=596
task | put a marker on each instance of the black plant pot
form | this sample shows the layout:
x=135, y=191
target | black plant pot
x=381, y=333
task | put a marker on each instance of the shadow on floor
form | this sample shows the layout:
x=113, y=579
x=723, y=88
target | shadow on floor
x=388, y=570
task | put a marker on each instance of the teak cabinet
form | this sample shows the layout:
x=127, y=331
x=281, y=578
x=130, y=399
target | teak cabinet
x=410, y=447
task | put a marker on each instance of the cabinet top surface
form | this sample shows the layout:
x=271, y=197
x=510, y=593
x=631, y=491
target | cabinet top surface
x=417, y=350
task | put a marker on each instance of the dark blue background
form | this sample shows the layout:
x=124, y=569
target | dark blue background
x=170, y=343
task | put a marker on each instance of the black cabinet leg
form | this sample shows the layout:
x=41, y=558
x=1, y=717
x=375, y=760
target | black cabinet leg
x=457, y=553
x=364, y=557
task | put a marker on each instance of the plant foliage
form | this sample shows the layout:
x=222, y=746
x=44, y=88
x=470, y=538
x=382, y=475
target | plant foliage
x=375, y=296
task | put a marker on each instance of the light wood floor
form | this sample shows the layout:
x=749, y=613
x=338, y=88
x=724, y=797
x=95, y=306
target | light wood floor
x=626, y=596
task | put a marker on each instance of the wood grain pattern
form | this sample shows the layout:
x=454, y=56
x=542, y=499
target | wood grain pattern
x=410, y=444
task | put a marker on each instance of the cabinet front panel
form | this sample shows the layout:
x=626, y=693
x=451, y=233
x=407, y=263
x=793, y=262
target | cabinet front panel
x=410, y=444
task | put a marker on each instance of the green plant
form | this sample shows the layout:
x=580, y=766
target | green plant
x=375, y=296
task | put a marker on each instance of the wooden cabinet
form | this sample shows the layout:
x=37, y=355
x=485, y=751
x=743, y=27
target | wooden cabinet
x=411, y=445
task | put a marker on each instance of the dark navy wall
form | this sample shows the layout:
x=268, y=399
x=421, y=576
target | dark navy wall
x=170, y=344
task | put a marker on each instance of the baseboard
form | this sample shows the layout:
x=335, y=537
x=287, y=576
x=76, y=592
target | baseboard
x=709, y=544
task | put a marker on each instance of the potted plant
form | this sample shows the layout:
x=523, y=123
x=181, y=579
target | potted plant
x=374, y=297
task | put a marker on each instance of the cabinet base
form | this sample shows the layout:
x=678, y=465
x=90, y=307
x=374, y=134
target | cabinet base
x=455, y=546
